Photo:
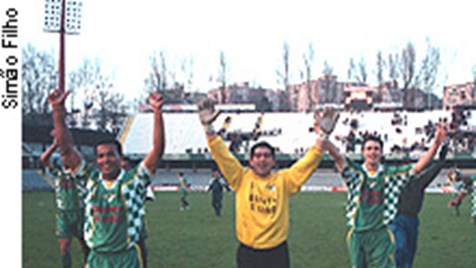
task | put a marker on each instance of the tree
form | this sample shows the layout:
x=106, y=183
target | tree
x=358, y=72
x=426, y=78
x=222, y=76
x=380, y=74
x=101, y=103
x=187, y=70
x=111, y=109
x=84, y=79
x=157, y=78
x=308, y=62
x=283, y=79
x=408, y=66
x=393, y=63
x=39, y=76
x=380, y=68
x=328, y=88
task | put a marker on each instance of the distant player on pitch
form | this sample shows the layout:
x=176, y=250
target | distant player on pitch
x=468, y=188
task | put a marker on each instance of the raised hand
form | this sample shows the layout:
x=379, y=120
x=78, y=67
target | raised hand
x=326, y=121
x=57, y=98
x=206, y=112
x=155, y=101
x=441, y=132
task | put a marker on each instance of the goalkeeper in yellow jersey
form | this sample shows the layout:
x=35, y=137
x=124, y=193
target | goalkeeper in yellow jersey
x=262, y=195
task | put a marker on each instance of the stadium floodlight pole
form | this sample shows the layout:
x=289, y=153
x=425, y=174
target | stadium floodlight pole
x=63, y=16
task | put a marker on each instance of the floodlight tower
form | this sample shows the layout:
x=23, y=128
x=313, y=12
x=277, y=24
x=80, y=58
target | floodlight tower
x=63, y=16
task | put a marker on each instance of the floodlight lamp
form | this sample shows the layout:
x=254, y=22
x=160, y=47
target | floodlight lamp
x=72, y=20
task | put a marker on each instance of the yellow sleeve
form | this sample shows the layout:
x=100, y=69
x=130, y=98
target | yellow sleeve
x=300, y=171
x=230, y=167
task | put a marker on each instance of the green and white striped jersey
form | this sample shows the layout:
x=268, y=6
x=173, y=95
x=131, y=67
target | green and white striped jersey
x=114, y=213
x=372, y=200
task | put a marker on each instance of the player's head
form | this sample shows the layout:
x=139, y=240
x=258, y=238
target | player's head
x=216, y=173
x=262, y=158
x=180, y=174
x=108, y=158
x=372, y=149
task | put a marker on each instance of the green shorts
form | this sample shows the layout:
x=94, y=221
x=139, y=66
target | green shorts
x=130, y=258
x=371, y=248
x=69, y=223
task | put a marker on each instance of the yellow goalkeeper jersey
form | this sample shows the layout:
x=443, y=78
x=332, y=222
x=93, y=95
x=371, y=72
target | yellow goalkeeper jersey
x=262, y=204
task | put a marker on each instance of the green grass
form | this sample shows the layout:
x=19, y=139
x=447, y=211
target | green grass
x=197, y=238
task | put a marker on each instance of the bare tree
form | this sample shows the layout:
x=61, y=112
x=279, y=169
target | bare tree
x=156, y=80
x=308, y=62
x=393, y=68
x=358, y=72
x=111, y=110
x=283, y=74
x=39, y=76
x=283, y=78
x=381, y=64
x=408, y=66
x=85, y=78
x=327, y=87
x=153, y=81
x=222, y=76
x=380, y=68
x=187, y=70
x=427, y=75
x=328, y=70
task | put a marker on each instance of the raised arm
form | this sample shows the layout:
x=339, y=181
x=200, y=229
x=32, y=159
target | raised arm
x=153, y=158
x=228, y=164
x=333, y=151
x=431, y=171
x=207, y=115
x=62, y=134
x=45, y=156
x=428, y=156
x=324, y=125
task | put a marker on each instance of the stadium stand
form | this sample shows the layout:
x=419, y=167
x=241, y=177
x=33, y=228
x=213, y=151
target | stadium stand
x=290, y=132
x=406, y=134
x=32, y=181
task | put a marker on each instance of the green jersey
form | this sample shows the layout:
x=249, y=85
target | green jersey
x=373, y=199
x=67, y=194
x=370, y=212
x=183, y=186
x=114, y=213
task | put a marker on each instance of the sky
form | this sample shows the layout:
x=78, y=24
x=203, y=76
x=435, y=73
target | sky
x=124, y=34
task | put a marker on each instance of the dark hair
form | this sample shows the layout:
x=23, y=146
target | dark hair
x=372, y=138
x=180, y=174
x=107, y=142
x=262, y=144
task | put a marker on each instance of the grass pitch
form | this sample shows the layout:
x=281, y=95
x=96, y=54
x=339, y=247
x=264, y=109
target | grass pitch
x=197, y=238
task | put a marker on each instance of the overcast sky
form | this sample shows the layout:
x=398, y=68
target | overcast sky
x=123, y=35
